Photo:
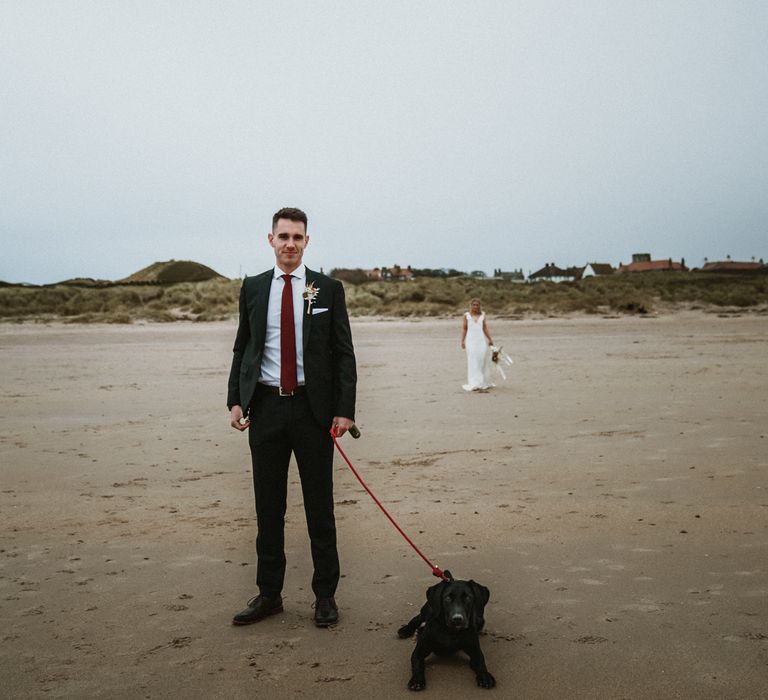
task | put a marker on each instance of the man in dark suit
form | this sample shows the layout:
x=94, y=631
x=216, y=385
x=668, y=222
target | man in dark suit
x=293, y=378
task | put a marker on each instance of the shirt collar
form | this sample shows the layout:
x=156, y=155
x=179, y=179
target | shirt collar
x=299, y=273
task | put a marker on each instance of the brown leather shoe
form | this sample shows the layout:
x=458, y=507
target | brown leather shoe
x=258, y=608
x=326, y=612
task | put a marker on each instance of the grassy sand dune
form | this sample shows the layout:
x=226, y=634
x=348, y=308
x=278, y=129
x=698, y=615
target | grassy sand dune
x=216, y=298
x=174, y=271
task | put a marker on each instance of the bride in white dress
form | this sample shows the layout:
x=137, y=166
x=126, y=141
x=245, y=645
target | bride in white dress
x=476, y=340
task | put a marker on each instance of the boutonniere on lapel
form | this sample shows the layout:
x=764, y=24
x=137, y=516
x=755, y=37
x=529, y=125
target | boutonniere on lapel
x=310, y=292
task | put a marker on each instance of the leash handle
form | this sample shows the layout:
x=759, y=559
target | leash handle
x=436, y=570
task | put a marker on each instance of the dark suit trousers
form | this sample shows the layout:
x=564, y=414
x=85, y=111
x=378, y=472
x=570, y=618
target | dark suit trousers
x=280, y=426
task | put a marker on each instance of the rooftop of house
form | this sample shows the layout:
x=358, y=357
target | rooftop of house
x=602, y=268
x=731, y=266
x=652, y=266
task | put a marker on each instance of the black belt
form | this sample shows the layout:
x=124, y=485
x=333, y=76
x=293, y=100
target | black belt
x=277, y=391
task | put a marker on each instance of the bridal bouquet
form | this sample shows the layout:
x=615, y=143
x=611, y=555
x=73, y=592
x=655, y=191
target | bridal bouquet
x=499, y=358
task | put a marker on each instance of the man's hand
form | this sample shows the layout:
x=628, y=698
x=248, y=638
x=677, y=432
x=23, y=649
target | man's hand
x=340, y=425
x=236, y=418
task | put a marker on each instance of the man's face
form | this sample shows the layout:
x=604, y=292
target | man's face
x=289, y=238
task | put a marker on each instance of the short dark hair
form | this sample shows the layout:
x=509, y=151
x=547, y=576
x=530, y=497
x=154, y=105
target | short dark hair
x=290, y=213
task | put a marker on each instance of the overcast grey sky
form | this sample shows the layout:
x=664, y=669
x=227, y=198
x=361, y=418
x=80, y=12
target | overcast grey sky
x=464, y=134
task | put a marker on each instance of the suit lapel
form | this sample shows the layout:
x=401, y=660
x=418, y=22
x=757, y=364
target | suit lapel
x=307, y=324
x=262, y=288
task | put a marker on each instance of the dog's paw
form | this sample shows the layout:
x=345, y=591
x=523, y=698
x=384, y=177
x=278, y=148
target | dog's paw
x=485, y=680
x=404, y=632
x=417, y=683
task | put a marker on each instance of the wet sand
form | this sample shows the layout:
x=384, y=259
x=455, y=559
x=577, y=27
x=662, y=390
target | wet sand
x=612, y=494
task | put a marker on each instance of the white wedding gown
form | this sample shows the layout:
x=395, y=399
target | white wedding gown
x=478, y=355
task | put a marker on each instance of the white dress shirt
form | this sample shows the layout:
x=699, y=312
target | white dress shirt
x=270, y=361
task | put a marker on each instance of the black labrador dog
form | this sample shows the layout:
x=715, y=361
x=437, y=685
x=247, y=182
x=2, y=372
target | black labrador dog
x=449, y=621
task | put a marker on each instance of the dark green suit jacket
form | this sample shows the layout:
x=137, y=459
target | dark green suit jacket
x=330, y=372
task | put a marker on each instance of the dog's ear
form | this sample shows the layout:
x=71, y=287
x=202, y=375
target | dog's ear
x=481, y=593
x=482, y=596
x=435, y=598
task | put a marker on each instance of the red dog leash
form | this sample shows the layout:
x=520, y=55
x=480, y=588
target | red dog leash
x=436, y=571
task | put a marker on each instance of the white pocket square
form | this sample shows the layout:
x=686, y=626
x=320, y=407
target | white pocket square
x=318, y=311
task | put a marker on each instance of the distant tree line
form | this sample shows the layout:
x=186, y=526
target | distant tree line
x=441, y=272
x=354, y=275
x=358, y=275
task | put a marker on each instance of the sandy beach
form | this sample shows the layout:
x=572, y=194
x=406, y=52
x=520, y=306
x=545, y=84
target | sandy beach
x=612, y=494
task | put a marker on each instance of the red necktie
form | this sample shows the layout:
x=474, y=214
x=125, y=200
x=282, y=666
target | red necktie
x=288, y=378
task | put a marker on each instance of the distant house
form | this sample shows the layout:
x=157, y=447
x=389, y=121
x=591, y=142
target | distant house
x=394, y=273
x=668, y=265
x=552, y=273
x=734, y=266
x=401, y=274
x=513, y=276
x=596, y=270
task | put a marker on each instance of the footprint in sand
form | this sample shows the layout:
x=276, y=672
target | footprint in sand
x=590, y=639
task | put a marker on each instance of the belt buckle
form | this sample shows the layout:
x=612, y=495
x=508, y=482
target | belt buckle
x=283, y=393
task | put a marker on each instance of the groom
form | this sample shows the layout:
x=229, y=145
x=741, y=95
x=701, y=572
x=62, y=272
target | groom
x=293, y=378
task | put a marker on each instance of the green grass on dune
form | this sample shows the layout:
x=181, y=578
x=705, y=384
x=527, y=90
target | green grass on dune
x=217, y=299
